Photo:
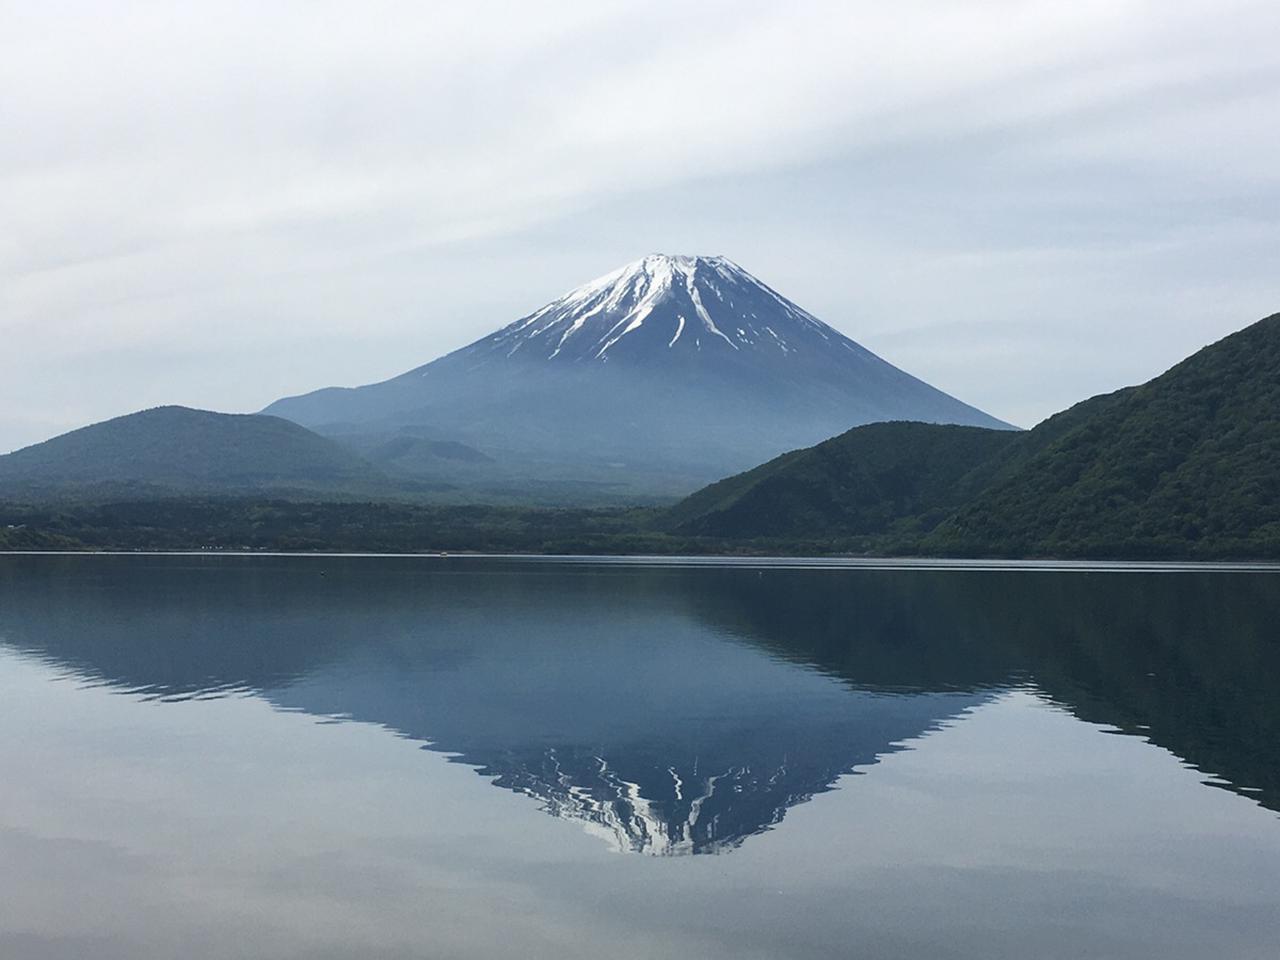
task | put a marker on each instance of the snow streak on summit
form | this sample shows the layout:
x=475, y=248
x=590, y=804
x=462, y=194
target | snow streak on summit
x=687, y=304
x=656, y=378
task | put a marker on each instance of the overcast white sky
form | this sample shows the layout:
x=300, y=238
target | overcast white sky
x=1024, y=203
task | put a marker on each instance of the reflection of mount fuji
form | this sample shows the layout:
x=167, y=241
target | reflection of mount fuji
x=598, y=695
x=670, y=710
x=655, y=734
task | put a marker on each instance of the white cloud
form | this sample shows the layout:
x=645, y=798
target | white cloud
x=357, y=184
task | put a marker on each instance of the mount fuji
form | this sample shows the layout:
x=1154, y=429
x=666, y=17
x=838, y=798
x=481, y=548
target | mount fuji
x=664, y=374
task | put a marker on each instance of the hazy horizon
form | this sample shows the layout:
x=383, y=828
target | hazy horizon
x=1023, y=207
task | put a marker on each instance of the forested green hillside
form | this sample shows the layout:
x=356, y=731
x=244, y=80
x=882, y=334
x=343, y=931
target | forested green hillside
x=861, y=482
x=1185, y=465
x=1188, y=461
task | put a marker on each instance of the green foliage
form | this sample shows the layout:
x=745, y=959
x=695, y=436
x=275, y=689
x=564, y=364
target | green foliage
x=861, y=482
x=255, y=524
x=21, y=537
x=1185, y=465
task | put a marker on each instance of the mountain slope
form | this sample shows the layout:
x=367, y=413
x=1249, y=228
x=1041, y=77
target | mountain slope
x=1187, y=464
x=176, y=450
x=662, y=375
x=858, y=483
x=1190, y=458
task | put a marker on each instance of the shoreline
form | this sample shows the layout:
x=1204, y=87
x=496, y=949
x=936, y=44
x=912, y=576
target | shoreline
x=714, y=560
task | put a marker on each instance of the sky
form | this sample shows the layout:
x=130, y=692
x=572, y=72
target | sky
x=1024, y=203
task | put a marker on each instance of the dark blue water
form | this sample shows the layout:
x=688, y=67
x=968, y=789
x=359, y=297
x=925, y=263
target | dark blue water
x=428, y=757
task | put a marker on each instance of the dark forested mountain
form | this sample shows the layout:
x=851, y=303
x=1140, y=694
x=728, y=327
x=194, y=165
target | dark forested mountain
x=176, y=450
x=860, y=482
x=662, y=375
x=1189, y=458
x=1187, y=463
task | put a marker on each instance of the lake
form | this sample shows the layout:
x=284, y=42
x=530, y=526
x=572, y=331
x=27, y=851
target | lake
x=360, y=757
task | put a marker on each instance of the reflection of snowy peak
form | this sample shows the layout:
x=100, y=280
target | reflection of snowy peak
x=667, y=792
x=663, y=307
x=691, y=813
x=592, y=688
x=597, y=692
x=655, y=780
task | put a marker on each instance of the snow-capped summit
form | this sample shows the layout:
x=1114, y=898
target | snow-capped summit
x=685, y=304
x=655, y=378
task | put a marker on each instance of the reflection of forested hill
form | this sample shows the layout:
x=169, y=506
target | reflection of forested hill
x=1187, y=660
x=672, y=709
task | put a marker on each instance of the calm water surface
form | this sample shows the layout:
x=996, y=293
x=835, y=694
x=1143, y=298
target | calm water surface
x=232, y=757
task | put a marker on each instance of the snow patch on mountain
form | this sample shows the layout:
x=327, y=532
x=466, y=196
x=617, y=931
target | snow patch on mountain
x=662, y=294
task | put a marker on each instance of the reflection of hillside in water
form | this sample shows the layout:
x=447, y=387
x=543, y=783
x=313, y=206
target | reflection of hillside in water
x=671, y=711
x=1187, y=660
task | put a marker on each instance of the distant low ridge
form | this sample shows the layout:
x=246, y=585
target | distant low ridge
x=653, y=379
x=179, y=451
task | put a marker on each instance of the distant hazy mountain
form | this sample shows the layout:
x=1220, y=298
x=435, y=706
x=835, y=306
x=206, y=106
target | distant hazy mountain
x=666, y=373
x=1187, y=462
x=176, y=450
